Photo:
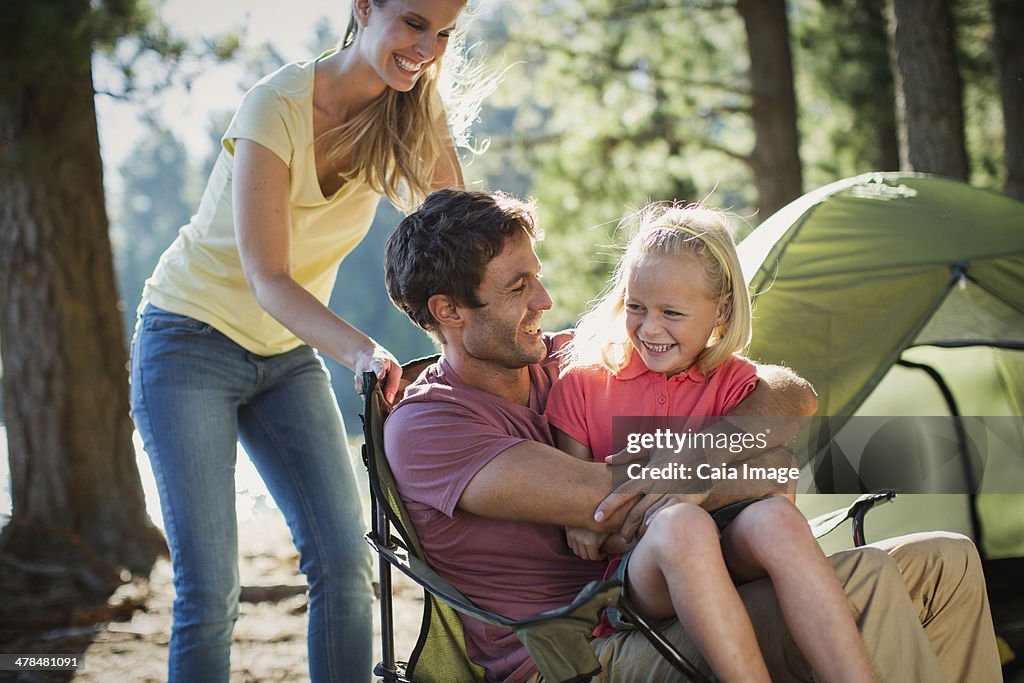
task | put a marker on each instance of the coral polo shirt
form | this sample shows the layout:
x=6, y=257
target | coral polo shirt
x=584, y=400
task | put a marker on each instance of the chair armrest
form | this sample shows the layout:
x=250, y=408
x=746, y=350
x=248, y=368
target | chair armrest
x=857, y=510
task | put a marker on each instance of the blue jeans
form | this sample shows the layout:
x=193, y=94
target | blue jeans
x=194, y=393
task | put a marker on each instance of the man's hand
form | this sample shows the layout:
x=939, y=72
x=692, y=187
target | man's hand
x=643, y=492
x=656, y=494
x=649, y=505
x=776, y=408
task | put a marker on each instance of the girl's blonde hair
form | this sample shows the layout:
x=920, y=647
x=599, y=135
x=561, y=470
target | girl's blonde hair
x=393, y=143
x=668, y=230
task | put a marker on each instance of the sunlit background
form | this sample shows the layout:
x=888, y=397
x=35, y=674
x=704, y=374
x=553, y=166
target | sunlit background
x=215, y=91
x=561, y=129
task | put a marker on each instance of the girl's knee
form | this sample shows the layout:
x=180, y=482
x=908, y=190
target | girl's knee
x=683, y=524
x=776, y=519
x=773, y=531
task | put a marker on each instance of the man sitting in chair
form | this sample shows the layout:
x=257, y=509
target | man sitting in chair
x=489, y=493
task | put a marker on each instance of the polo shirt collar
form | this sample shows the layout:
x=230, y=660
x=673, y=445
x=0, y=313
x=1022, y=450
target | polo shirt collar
x=538, y=385
x=636, y=367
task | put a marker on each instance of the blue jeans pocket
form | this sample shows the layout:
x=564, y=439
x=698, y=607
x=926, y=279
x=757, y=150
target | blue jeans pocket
x=158, y=320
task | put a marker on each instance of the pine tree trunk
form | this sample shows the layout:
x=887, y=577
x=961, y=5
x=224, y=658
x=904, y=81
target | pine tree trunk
x=776, y=155
x=74, y=479
x=929, y=103
x=1008, y=22
x=887, y=141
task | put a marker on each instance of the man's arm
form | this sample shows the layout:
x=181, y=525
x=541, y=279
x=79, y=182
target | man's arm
x=532, y=482
x=783, y=398
x=776, y=408
x=778, y=405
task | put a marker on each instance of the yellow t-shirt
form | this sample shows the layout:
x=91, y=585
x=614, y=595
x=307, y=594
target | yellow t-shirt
x=200, y=275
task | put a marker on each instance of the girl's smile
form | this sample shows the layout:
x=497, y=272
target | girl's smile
x=670, y=316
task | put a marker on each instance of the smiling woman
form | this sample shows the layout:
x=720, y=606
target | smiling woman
x=233, y=318
x=390, y=49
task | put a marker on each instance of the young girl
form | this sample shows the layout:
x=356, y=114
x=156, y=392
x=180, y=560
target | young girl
x=663, y=342
x=224, y=347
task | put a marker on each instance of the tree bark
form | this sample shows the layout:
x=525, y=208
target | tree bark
x=887, y=141
x=929, y=101
x=1007, y=21
x=74, y=479
x=776, y=156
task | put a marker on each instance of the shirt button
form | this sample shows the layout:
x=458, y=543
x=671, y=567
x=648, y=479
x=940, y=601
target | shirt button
x=661, y=400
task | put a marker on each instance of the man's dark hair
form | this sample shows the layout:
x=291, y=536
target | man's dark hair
x=445, y=246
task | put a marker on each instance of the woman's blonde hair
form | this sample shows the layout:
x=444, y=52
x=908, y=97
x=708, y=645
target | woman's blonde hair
x=668, y=230
x=393, y=143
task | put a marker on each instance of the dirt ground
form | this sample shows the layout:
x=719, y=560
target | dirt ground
x=269, y=637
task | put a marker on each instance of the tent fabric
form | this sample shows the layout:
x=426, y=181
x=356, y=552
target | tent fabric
x=970, y=316
x=847, y=277
x=850, y=276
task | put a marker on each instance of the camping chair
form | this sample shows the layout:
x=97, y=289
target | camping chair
x=557, y=640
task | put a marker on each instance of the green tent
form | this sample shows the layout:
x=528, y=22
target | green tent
x=887, y=268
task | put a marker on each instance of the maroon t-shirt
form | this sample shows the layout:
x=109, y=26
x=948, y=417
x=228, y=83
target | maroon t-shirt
x=441, y=434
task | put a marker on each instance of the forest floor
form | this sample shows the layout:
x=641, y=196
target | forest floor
x=269, y=637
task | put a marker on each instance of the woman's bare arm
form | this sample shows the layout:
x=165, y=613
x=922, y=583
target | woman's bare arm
x=263, y=232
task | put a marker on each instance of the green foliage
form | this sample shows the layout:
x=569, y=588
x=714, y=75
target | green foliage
x=612, y=106
x=224, y=47
x=153, y=58
x=846, y=89
x=608, y=105
x=43, y=39
x=110, y=20
x=847, y=92
x=982, y=110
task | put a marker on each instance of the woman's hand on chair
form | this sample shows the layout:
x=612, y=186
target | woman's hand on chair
x=378, y=360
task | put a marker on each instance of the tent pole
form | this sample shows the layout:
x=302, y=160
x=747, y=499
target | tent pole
x=961, y=437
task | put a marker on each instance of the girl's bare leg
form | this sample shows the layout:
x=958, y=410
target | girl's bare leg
x=678, y=568
x=772, y=537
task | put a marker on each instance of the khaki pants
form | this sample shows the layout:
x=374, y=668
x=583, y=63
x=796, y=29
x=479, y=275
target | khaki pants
x=919, y=601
